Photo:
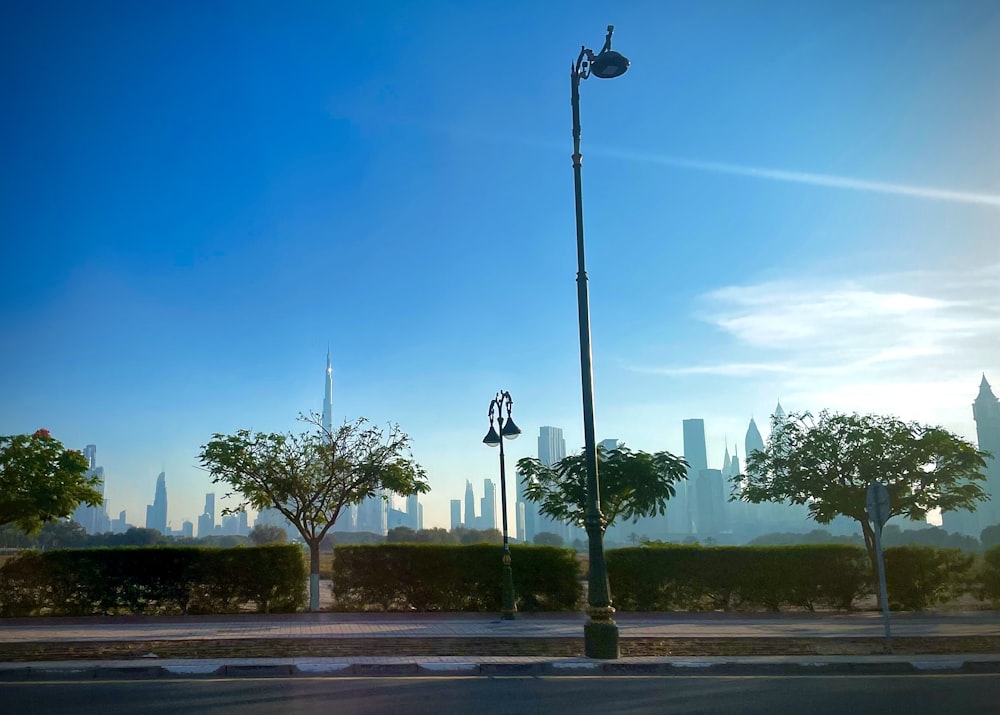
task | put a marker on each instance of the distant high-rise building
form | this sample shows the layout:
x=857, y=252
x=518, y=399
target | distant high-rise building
x=187, y=529
x=986, y=413
x=413, y=513
x=753, y=441
x=710, y=515
x=609, y=444
x=470, y=507
x=696, y=454
x=694, y=445
x=551, y=449
x=328, y=395
x=156, y=513
x=526, y=513
x=551, y=445
x=119, y=525
x=94, y=519
x=488, y=506
x=456, y=513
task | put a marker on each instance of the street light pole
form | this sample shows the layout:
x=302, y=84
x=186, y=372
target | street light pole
x=501, y=403
x=600, y=632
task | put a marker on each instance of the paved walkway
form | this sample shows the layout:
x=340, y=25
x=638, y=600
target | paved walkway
x=446, y=625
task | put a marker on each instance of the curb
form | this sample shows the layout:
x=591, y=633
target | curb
x=41, y=672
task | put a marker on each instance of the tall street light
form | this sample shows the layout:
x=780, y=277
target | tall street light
x=600, y=634
x=502, y=405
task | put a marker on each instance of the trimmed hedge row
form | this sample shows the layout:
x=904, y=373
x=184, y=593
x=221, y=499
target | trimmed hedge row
x=156, y=580
x=989, y=577
x=696, y=578
x=447, y=577
x=917, y=577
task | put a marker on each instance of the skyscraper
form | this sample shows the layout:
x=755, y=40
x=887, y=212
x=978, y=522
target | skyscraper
x=328, y=396
x=551, y=449
x=414, y=513
x=609, y=444
x=753, y=442
x=94, y=519
x=456, y=513
x=551, y=445
x=695, y=452
x=986, y=413
x=525, y=514
x=470, y=506
x=488, y=506
x=156, y=513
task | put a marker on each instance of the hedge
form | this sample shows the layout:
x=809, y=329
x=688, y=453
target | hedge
x=920, y=576
x=989, y=576
x=451, y=577
x=676, y=577
x=157, y=580
x=692, y=578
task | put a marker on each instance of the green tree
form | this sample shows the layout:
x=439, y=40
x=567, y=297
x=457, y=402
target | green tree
x=828, y=464
x=312, y=477
x=633, y=484
x=547, y=538
x=267, y=534
x=990, y=536
x=41, y=481
x=400, y=534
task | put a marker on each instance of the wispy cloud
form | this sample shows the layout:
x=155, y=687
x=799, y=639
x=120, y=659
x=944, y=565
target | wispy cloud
x=893, y=342
x=814, y=179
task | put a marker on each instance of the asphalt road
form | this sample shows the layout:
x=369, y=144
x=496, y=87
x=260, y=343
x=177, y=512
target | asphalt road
x=705, y=695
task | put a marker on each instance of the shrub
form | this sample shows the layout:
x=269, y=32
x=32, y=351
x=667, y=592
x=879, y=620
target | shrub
x=153, y=580
x=447, y=577
x=692, y=577
x=989, y=576
x=920, y=576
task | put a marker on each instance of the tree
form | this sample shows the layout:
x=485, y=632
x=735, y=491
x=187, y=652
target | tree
x=547, y=538
x=990, y=536
x=313, y=476
x=267, y=534
x=41, y=481
x=827, y=464
x=633, y=484
x=400, y=534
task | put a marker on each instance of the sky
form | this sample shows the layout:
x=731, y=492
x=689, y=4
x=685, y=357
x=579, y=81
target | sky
x=782, y=200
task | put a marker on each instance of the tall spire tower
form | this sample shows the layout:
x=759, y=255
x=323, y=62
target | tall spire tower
x=328, y=395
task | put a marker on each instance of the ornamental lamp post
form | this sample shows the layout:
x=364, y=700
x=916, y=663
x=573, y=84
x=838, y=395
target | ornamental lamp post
x=600, y=632
x=502, y=405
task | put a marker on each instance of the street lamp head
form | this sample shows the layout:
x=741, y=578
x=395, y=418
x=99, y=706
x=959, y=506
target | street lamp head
x=492, y=439
x=609, y=64
x=510, y=430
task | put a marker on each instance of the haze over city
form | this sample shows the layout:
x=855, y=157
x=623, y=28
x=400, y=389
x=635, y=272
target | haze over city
x=783, y=201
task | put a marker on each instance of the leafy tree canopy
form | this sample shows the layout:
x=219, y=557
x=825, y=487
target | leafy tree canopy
x=632, y=484
x=311, y=477
x=828, y=464
x=267, y=534
x=41, y=481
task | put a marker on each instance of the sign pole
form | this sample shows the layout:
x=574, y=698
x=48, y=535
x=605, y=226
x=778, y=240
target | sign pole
x=879, y=511
x=881, y=587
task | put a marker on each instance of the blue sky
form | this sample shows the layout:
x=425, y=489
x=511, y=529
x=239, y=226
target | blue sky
x=782, y=200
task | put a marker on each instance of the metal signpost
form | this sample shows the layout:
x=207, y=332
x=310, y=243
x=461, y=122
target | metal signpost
x=878, y=513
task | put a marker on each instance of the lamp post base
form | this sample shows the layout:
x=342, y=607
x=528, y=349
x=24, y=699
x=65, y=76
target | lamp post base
x=600, y=639
x=508, y=606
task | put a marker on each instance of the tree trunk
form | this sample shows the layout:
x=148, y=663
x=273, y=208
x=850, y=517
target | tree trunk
x=869, y=534
x=314, y=574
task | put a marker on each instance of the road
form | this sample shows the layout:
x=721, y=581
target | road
x=676, y=695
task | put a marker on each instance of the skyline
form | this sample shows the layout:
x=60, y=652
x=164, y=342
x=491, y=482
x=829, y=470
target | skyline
x=794, y=203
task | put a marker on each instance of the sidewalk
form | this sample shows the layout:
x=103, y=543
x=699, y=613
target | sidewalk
x=481, y=644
